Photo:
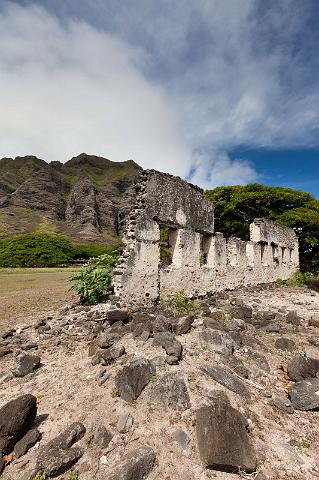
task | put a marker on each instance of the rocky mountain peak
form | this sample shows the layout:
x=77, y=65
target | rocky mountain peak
x=80, y=199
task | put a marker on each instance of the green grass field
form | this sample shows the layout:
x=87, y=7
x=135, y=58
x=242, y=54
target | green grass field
x=31, y=292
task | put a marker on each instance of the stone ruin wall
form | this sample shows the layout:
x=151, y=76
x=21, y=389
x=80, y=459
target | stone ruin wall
x=202, y=261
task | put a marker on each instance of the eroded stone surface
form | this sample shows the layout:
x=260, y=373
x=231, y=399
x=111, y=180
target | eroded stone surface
x=222, y=438
x=16, y=417
x=135, y=465
x=304, y=395
x=227, y=379
x=171, y=392
x=26, y=442
x=301, y=367
x=58, y=455
x=141, y=276
x=220, y=342
x=132, y=379
x=26, y=364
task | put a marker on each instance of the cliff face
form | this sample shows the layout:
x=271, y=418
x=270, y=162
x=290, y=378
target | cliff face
x=84, y=198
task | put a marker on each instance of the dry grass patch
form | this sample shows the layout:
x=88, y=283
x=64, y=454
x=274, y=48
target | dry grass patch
x=31, y=292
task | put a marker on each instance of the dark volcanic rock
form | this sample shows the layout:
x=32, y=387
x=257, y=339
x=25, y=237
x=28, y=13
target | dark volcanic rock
x=283, y=343
x=313, y=322
x=304, y=394
x=222, y=438
x=117, y=315
x=283, y=404
x=229, y=380
x=171, y=392
x=259, y=360
x=243, y=311
x=16, y=417
x=132, y=379
x=209, y=322
x=293, y=318
x=182, y=325
x=220, y=342
x=166, y=340
x=301, y=367
x=26, y=442
x=261, y=319
x=26, y=364
x=43, y=191
x=143, y=322
x=101, y=436
x=235, y=364
x=57, y=456
x=106, y=340
x=5, y=351
x=110, y=354
x=135, y=465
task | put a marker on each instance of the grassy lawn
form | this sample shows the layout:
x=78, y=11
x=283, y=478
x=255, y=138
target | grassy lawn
x=32, y=292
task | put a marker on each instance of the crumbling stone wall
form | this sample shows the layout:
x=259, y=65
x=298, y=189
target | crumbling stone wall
x=200, y=260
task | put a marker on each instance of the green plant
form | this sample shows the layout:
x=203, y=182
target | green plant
x=92, y=281
x=74, y=475
x=40, y=249
x=153, y=379
x=179, y=303
x=299, y=278
x=237, y=206
x=299, y=443
x=41, y=475
x=35, y=250
x=202, y=260
x=165, y=252
x=115, y=393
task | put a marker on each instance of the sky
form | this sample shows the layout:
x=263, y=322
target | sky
x=219, y=92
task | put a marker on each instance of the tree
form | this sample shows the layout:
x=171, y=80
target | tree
x=237, y=206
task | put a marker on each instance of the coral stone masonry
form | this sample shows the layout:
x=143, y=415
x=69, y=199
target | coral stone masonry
x=170, y=245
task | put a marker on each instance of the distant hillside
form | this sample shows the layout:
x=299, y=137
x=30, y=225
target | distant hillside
x=82, y=199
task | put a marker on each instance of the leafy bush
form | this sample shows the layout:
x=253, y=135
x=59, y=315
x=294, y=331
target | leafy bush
x=41, y=475
x=74, y=475
x=45, y=250
x=237, y=206
x=35, y=250
x=299, y=278
x=92, y=281
x=179, y=303
x=91, y=250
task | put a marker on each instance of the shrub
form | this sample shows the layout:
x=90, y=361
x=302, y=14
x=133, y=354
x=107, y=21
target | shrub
x=179, y=303
x=46, y=250
x=93, y=280
x=74, y=475
x=35, y=250
x=91, y=250
x=41, y=475
x=299, y=278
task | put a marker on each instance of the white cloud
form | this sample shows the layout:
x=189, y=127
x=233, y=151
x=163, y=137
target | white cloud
x=68, y=88
x=222, y=170
x=158, y=82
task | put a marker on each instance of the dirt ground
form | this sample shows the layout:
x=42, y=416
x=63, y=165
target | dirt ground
x=25, y=292
x=67, y=391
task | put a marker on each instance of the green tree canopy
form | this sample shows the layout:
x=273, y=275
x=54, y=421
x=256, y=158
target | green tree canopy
x=237, y=206
x=45, y=250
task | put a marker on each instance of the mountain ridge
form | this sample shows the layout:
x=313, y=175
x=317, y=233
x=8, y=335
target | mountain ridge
x=83, y=198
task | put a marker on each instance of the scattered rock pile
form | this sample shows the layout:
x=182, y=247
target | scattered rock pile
x=230, y=390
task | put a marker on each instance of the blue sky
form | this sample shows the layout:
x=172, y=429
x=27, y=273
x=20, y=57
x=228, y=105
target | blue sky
x=218, y=92
x=298, y=168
